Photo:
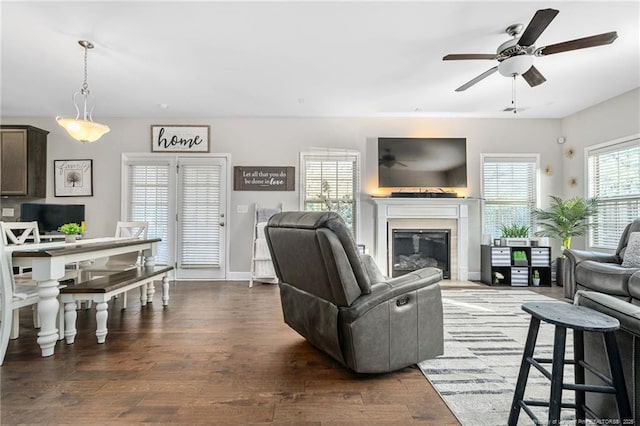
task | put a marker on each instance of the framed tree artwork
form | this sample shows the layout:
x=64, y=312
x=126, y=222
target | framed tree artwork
x=73, y=178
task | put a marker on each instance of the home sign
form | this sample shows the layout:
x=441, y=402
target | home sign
x=179, y=138
x=263, y=178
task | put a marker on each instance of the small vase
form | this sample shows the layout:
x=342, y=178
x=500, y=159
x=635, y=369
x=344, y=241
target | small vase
x=70, y=238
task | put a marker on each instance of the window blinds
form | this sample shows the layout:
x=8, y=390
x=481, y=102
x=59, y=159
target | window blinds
x=331, y=182
x=199, y=214
x=148, y=196
x=613, y=175
x=509, y=191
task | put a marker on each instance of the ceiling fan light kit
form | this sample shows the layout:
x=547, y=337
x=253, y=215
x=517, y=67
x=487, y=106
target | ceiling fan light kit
x=83, y=129
x=515, y=56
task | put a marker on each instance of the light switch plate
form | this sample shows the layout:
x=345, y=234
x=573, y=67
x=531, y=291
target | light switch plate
x=242, y=208
x=8, y=211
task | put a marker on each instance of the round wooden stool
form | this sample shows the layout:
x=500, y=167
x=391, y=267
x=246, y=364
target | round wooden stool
x=579, y=319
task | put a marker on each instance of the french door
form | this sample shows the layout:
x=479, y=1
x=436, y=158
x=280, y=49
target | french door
x=184, y=200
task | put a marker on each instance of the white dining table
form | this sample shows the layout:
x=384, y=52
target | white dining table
x=47, y=262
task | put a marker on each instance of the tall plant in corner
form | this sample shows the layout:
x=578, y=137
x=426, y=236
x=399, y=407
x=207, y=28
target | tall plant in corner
x=565, y=219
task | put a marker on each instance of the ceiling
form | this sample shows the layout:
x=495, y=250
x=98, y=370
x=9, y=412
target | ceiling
x=305, y=59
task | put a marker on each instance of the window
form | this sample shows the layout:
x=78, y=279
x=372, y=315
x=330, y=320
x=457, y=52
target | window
x=613, y=175
x=148, y=200
x=509, y=190
x=331, y=181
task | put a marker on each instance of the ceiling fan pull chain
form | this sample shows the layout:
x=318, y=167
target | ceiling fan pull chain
x=513, y=94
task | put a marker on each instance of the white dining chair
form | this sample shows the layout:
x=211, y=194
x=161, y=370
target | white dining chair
x=16, y=293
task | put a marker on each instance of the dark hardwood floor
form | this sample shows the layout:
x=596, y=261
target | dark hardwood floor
x=220, y=353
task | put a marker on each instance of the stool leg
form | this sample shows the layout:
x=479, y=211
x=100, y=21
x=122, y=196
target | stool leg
x=578, y=356
x=617, y=377
x=523, y=375
x=557, y=374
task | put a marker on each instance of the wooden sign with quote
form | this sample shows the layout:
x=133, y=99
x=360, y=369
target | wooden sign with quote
x=264, y=178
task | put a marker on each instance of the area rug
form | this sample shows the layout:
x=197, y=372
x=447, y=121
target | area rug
x=485, y=331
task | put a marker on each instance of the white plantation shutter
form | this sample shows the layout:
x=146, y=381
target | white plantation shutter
x=148, y=201
x=340, y=174
x=613, y=175
x=509, y=190
x=199, y=211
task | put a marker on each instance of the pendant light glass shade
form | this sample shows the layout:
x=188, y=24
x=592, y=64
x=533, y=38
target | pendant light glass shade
x=83, y=129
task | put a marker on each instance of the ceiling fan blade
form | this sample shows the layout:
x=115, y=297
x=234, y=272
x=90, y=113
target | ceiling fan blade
x=464, y=56
x=533, y=77
x=580, y=43
x=538, y=24
x=477, y=79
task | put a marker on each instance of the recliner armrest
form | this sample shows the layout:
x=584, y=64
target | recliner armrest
x=390, y=289
x=577, y=256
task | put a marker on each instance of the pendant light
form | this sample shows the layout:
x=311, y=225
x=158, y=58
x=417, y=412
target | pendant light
x=83, y=129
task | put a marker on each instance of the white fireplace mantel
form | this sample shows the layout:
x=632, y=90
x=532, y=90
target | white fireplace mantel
x=424, y=208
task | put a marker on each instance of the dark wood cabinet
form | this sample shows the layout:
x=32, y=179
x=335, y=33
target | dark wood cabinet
x=23, y=161
x=500, y=260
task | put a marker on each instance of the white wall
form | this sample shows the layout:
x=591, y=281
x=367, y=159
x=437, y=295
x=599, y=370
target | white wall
x=610, y=120
x=277, y=142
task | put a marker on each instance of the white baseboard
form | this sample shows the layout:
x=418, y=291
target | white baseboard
x=239, y=276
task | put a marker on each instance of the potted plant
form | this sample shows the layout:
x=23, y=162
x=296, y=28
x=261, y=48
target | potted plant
x=514, y=234
x=535, y=279
x=563, y=220
x=70, y=231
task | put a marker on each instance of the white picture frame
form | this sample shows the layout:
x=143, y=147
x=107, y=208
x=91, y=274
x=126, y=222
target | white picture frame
x=73, y=178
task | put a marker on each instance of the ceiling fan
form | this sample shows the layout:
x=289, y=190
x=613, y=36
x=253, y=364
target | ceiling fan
x=515, y=56
x=389, y=160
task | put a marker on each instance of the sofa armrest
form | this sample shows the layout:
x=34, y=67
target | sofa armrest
x=390, y=289
x=573, y=257
x=625, y=312
x=577, y=256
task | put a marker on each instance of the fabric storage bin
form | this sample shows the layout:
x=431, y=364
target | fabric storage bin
x=500, y=256
x=519, y=277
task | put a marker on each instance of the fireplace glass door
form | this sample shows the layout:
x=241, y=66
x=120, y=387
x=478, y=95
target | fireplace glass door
x=420, y=248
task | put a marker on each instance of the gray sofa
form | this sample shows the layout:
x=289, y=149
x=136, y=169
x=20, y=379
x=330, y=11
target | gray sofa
x=588, y=270
x=340, y=302
x=628, y=338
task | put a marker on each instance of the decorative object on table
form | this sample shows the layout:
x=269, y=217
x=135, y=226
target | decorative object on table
x=514, y=235
x=73, y=178
x=497, y=241
x=179, y=138
x=264, y=178
x=535, y=278
x=70, y=231
x=83, y=129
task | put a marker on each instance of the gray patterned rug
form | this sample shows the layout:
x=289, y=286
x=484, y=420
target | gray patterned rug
x=484, y=336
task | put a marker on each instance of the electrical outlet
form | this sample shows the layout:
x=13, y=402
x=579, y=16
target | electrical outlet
x=9, y=212
x=242, y=208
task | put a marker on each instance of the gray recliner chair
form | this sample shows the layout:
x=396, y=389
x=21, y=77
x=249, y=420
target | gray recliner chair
x=341, y=303
x=602, y=272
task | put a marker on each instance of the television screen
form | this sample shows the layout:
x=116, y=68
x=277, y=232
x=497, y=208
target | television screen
x=51, y=216
x=422, y=162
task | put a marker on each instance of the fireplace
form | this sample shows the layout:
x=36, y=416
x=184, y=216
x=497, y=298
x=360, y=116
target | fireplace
x=414, y=249
x=410, y=214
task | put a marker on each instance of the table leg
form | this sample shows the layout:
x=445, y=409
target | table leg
x=70, y=316
x=101, y=321
x=165, y=290
x=48, y=312
x=149, y=262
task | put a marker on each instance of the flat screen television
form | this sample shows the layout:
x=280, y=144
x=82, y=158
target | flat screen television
x=51, y=216
x=422, y=162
